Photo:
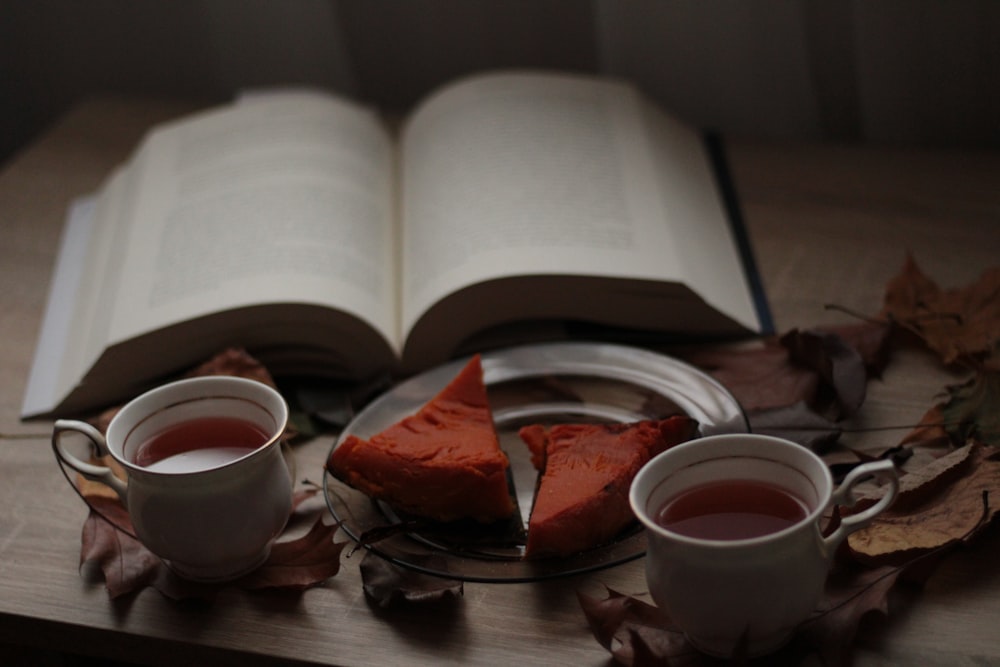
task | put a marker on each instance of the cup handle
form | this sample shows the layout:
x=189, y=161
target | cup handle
x=844, y=495
x=99, y=446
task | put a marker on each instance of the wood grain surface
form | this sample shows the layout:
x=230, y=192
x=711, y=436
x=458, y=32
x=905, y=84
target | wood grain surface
x=830, y=224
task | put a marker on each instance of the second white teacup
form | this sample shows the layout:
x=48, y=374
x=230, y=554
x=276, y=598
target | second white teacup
x=736, y=557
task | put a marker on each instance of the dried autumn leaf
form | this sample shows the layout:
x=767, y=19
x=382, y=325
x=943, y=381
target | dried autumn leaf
x=605, y=617
x=125, y=563
x=90, y=489
x=237, y=362
x=870, y=339
x=637, y=634
x=938, y=506
x=921, y=485
x=656, y=649
x=972, y=410
x=301, y=563
x=797, y=423
x=785, y=384
x=898, y=455
x=929, y=432
x=307, y=491
x=839, y=365
x=128, y=566
x=387, y=584
x=850, y=594
x=813, y=367
x=958, y=324
x=760, y=378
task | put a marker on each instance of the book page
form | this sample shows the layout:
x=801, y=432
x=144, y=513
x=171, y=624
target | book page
x=283, y=199
x=90, y=308
x=58, y=326
x=521, y=174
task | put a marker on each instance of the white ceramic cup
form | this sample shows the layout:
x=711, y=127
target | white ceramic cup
x=210, y=524
x=745, y=597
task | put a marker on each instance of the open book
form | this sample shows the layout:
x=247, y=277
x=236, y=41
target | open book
x=507, y=207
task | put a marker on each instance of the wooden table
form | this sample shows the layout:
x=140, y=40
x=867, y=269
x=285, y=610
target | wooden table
x=829, y=224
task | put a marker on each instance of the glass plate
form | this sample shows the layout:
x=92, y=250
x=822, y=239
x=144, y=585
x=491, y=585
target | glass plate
x=544, y=383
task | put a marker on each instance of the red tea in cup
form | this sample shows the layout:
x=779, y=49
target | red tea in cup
x=226, y=494
x=731, y=509
x=734, y=594
x=199, y=444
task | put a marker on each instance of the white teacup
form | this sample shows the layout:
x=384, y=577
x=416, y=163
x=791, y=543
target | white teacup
x=736, y=595
x=210, y=512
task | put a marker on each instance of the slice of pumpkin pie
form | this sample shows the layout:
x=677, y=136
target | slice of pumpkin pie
x=444, y=462
x=586, y=471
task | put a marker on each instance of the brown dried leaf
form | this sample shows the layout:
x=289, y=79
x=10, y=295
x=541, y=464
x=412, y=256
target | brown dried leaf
x=301, y=563
x=637, y=634
x=605, y=617
x=839, y=366
x=850, y=594
x=929, y=432
x=127, y=566
x=125, y=563
x=237, y=362
x=938, y=506
x=387, y=584
x=90, y=489
x=899, y=455
x=813, y=367
x=920, y=486
x=760, y=378
x=957, y=324
x=870, y=339
x=797, y=423
x=308, y=490
x=972, y=410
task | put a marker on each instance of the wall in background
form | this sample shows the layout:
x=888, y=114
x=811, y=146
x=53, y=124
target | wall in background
x=924, y=72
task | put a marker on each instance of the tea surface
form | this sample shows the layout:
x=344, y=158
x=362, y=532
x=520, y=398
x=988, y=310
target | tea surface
x=199, y=444
x=731, y=510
